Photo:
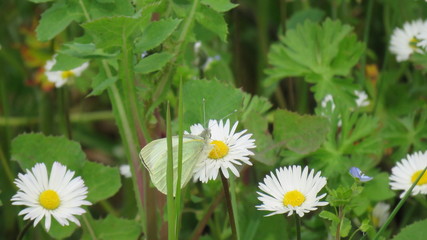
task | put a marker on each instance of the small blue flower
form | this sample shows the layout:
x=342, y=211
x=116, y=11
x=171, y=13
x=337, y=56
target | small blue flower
x=357, y=173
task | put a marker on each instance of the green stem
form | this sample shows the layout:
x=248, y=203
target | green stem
x=89, y=228
x=399, y=205
x=229, y=206
x=6, y=167
x=298, y=226
x=202, y=223
x=24, y=230
x=340, y=216
x=64, y=111
x=366, y=38
x=178, y=198
x=169, y=178
x=186, y=28
x=110, y=210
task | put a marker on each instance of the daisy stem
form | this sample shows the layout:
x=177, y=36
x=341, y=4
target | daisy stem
x=89, y=227
x=399, y=205
x=340, y=216
x=24, y=230
x=229, y=206
x=298, y=226
x=6, y=167
x=64, y=108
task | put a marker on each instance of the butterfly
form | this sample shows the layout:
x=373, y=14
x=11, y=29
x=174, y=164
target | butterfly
x=154, y=157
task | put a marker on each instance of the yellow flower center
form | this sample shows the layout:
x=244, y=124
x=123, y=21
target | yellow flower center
x=49, y=199
x=375, y=221
x=67, y=74
x=423, y=179
x=219, y=151
x=294, y=198
x=413, y=43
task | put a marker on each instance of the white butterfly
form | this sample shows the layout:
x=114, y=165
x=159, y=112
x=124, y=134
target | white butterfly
x=154, y=157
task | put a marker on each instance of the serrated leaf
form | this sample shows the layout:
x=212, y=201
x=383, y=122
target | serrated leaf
x=102, y=185
x=85, y=50
x=328, y=215
x=66, y=62
x=56, y=19
x=112, y=31
x=153, y=62
x=109, y=8
x=100, y=85
x=212, y=21
x=300, y=133
x=220, y=5
x=32, y=148
x=415, y=231
x=220, y=100
x=112, y=228
x=316, y=52
x=156, y=33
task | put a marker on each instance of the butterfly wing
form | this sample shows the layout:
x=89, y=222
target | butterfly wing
x=154, y=158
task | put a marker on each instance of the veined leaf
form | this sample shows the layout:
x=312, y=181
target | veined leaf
x=156, y=33
x=220, y=5
x=212, y=21
x=112, y=228
x=153, y=62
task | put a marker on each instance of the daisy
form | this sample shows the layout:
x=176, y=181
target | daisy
x=230, y=149
x=60, y=78
x=404, y=41
x=380, y=214
x=362, y=98
x=407, y=171
x=291, y=190
x=58, y=195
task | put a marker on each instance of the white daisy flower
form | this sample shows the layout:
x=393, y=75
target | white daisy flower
x=380, y=214
x=404, y=40
x=229, y=149
x=291, y=190
x=125, y=170
x=58, y=195
x=407, y=171
x=60, y=78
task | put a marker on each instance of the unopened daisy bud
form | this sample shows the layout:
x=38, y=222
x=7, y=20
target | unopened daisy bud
x=291, y=190
x=58, y=195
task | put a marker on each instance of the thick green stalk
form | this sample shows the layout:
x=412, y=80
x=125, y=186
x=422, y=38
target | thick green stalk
x=169, y=179
x=178, y=198
x=234, y=204
x=298, y=226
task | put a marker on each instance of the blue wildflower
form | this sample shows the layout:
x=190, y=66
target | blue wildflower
x=357, y=173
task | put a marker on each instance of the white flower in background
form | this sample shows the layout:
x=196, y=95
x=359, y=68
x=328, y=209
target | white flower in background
x=209, y=62
x=380, y=214
x=291, y=190
x=404, y=40
x=58, y=195
x=229, y=149
x=328, y=99
x=125, y=170
x=197, y=46
x=60, y=78
x=407, y=171
x=362, y=98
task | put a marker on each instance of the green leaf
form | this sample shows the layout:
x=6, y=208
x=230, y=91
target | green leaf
x=153, y=62
x=99, y=85
x=300, y=133
x=40, y=1
x=329, y=216
x=378, y=189
x=415, y=231
x=219, y=5
x=345, y=227
x=32, y=148
x=112, y=31
x=112, y=228
x=56, y=19
x=66, y=62
x=220, y=101
x=212, y=21
x=109, y=8
x=60, y=232
x=311, y=14
x=102, y=181
x=156, y=33
x=85, y=50
x=316, y=52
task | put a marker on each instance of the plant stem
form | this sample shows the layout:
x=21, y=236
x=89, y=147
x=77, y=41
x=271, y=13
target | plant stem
x=340, y=216
x=229, y=206
x=366, y=38
x=202, y=223
x=64, y=111
x=24, y=230
x=6, y=167
x=89, y=227
x=169, y=178
x=298, y=226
